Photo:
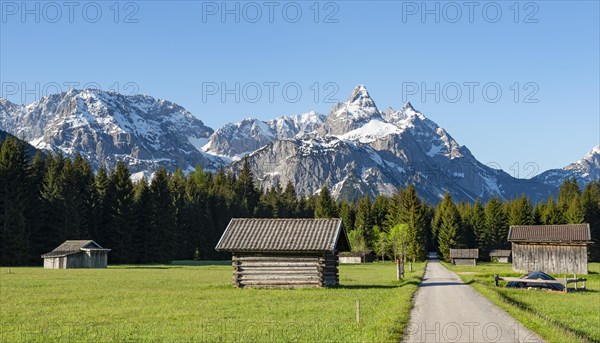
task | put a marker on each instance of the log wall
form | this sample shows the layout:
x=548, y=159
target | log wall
x=284, y=271
x=553, y=259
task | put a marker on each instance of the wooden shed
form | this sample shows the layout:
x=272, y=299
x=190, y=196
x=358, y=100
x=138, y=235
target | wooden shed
x=286, y=253
x=77, y=254
x=357, y=257
x=464, y=257
x=501, y=256
x=555, y=249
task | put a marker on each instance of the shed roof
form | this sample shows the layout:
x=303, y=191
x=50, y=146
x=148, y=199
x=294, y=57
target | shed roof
x=284, y=235
x=500, y=253
x=550, y=233
x=74, y=246
x=464, y=253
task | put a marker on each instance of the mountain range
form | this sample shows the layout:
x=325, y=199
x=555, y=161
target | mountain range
x=355, y=150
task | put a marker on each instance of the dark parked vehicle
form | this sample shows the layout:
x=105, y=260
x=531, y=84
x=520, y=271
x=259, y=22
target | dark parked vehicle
x=537, y=276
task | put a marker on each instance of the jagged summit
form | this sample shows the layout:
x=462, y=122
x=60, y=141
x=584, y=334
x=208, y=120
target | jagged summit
x=355, y=150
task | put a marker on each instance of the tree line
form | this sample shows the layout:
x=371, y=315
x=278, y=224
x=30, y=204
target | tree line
x=46, y=199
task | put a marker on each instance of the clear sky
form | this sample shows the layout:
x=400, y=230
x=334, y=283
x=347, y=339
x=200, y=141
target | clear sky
x=542, y=56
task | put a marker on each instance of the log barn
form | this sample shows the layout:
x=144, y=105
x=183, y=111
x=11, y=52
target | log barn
x=554, y=249
x=77, y=254
x=464, y=257
x=499, y=255
x=284, y=253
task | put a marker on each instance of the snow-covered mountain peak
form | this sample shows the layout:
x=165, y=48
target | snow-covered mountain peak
x=359, y=106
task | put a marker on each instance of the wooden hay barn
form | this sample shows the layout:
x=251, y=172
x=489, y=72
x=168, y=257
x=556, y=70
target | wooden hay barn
x=554, y=249
x=501, y=256
x=357, y=257
x=77, y=254
x=464, y=257
x=284, y=253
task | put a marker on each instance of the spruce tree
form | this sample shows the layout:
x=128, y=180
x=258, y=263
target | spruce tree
x=246, y=190
x=325, y=206
x=120, y=207
x=590, y=202
x=520, y=212
x=448, y=226
x=568, y=191
x=14, y=195
x=163, y=219
x=496, y=225
x=575, y=213
x=552, y=215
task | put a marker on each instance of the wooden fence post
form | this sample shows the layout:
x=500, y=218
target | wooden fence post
x=357, y=311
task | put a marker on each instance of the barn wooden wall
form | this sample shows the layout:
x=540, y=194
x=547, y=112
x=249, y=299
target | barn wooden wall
x=465, y=261
x=84, y=259
x=553, y=259
x=285, y=271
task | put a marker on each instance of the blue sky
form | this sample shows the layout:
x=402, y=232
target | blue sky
x=186, y=52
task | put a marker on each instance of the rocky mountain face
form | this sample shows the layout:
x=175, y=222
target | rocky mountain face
x=585, y=170
x=238, y=139
x=360, y=150
x=105, y=127
x=355, y=150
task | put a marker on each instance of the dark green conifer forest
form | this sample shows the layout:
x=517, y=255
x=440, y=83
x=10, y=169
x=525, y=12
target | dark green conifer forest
x=47, y=199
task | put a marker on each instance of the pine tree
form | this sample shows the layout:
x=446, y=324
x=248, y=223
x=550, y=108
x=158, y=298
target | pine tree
x=247, y=191
x=163, y=218
x=575, y=213
x=406, y=208
x=477, y=221
x=140, y=233
x=52, y=202
x=552, y=214
x=120, y=210
x=496, y=225
x=347, y=214
x=14, y=194
x=364, y=220
x=520, y=212
x=448, y=226
x=568, y=190
x=38, y=239
x=325, y=206
x=590, y=202
x=182, y=226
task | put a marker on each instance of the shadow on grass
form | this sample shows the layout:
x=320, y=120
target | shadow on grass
x=144, y=267
x=201, y=263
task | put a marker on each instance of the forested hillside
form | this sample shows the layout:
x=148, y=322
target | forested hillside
x=46, y=199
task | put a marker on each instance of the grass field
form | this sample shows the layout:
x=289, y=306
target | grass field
x=555, y=316
x=198, y=303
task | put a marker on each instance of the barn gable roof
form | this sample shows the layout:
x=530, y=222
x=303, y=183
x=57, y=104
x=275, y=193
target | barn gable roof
x=464, y=253
x=550, y=233
x=500, y=253
x=74, y=246
x=284, y=235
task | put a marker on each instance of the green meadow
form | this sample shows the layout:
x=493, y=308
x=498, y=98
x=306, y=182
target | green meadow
x=196, y=302
x=555, y=316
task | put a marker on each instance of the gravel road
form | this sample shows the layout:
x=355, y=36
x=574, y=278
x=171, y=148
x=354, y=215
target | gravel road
x=448, y=310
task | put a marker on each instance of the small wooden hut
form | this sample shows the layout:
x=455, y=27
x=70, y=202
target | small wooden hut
x=464, y=257
x=501, y=256
x=357, y=257
x=286, y=253
x=77, y=254
x=555, y=249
